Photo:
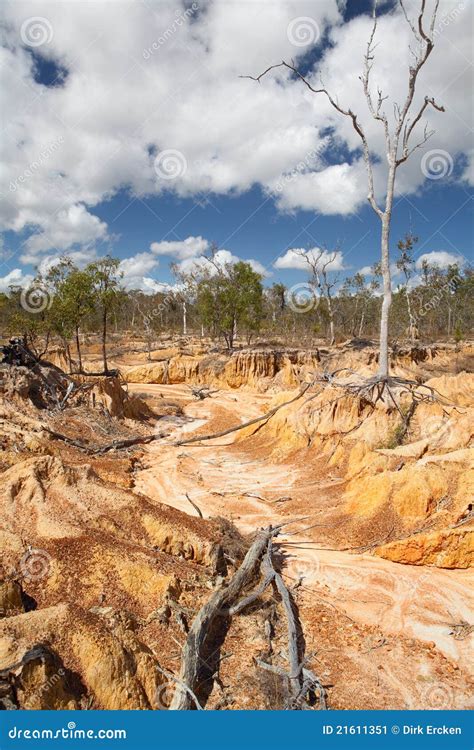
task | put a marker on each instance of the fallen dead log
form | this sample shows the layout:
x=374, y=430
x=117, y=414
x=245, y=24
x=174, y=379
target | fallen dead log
x=182, y=685
x=300, y=679
x=293, y=659
x=98, y=450
x=256, y=420
x=192, y=659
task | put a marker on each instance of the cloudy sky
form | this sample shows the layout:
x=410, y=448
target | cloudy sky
x=128, y=129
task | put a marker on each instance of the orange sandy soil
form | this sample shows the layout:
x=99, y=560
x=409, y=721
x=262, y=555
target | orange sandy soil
x=379, y=631
x=123, y=540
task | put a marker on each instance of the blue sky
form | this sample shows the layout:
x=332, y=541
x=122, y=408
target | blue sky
x=250, y=226
x=86, y=114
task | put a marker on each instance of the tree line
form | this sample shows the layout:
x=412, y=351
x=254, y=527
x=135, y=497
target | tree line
x=228, y=304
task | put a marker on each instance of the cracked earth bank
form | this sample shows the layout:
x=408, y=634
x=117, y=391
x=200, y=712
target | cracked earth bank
x=377, y=549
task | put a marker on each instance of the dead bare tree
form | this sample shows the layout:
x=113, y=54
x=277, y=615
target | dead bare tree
x=398, y=138
x=320, y=263
x=149, y=337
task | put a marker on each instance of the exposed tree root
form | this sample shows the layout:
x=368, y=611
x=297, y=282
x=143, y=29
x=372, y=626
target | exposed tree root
x=376, y=388
x=388, y=390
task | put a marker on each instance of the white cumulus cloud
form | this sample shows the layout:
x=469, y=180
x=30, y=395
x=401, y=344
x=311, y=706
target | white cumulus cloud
x=16, y=277
x=191, y=247
x=128, y=96
x=296, y=259
x=440, y=259
x=136, y=270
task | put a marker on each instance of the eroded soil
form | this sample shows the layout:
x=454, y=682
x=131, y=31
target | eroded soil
x=395, y=604
x=105, y=559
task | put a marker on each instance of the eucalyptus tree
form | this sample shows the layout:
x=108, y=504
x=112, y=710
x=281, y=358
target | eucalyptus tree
x=406, y=264
x=105, y=279
x=398, y=134
x=319, y=262
x=230, y=297
x=73, y=301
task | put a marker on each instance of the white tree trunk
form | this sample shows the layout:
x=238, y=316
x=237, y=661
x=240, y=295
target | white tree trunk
x=406, y=120
x=185, y=327
x=385, y=263
x=361, y=326
x=332, y=333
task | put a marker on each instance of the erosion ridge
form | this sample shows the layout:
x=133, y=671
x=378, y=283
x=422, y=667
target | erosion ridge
x=264, y=369
x=121, y=550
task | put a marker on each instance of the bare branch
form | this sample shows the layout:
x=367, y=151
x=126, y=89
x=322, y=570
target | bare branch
x=426, y=44
x=409, y=22
x=406, y=152
x=347, y=113
x=376, y=112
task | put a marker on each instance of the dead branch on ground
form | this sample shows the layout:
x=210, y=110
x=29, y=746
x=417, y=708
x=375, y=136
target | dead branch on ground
x=225, y=603
x=203, y=392
x=196, y=508
x=256, y=420
x=98, y=450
